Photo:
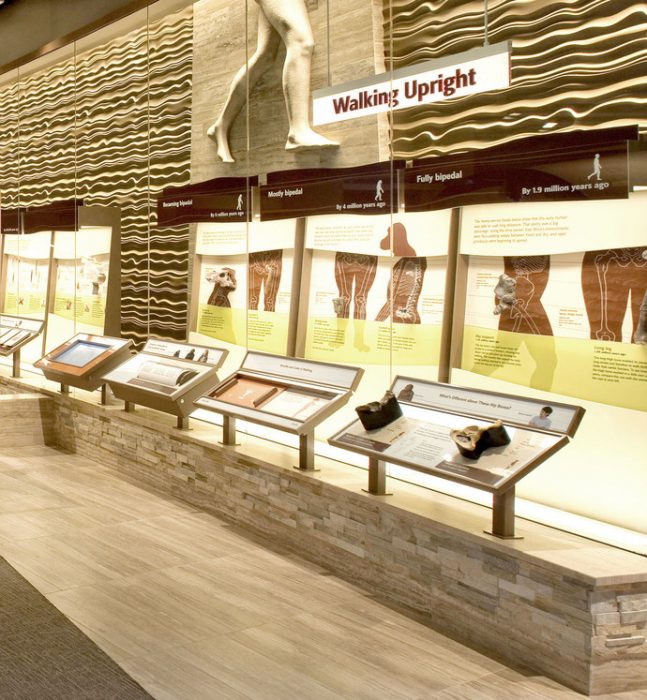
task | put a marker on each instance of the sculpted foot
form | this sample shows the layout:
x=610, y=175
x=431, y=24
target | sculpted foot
x=308, y=139
x=218, y=134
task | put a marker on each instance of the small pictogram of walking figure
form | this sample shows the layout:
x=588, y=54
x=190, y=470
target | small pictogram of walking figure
x=239, y=204
x=597, y=168
x=379, y=191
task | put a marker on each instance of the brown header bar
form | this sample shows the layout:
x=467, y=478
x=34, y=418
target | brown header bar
x=366, y=190
x=223, y=199
x=574, y=166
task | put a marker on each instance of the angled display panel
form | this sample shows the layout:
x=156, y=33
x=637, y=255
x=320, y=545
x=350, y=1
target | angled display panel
x=82, y=360
x=288, y=394
x=167, y=376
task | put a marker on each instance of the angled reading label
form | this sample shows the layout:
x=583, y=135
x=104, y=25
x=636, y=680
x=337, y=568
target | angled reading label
x=467, y=73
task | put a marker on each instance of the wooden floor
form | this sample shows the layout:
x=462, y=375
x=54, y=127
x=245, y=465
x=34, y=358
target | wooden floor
x=193, y=608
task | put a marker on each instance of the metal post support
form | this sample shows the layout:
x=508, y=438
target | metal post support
x=503, y=515
x=228, y=430
x=129, y=407
x=16, y=365
x=307, y=453
x=183, y=423
x=376, y=477
x=65, y=389
x=104, y=394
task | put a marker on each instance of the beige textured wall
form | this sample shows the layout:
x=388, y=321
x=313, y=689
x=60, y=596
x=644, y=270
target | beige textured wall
x=355, y=40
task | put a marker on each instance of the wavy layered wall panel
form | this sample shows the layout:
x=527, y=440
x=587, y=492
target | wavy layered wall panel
x=575, y=64
x=113, y=127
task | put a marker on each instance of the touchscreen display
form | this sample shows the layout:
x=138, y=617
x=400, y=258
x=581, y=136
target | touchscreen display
x=80, y=353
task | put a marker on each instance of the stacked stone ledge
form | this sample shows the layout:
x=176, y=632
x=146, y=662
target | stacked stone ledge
x=475, y=589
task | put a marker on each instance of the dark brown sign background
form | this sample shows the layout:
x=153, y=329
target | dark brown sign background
x=296, y=193
x=222, y=199
x=540, y=168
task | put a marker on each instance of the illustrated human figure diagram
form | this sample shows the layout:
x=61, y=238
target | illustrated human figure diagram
x=518, y=295
x=405, y=285
x=355, y=274
x=264, y=273
x=612, y=279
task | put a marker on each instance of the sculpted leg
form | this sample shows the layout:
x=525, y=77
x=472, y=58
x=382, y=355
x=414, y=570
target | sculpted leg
x=290, y=19
x=248, y=75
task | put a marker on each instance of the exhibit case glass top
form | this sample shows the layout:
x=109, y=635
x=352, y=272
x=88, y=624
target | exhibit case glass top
x=167, y=375
x=16, y=331
x=282, y=392
x=439, y=421
x=82, y=360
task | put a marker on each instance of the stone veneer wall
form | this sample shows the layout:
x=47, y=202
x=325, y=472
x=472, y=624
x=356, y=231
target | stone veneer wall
x=479, y=591
x=26, y=419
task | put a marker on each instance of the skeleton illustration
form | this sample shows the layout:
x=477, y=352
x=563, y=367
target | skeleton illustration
x=264, y=271
x=527, y=313
x=224, y=282
x=403, y=292
x=504, y=293
x=610, y=280
x=354, y=275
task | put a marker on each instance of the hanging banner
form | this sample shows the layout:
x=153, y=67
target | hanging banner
x=564, y=167
x=367, y=190
x=468, y=73
x=222, y=199
x=57, y=216
x=9, y=220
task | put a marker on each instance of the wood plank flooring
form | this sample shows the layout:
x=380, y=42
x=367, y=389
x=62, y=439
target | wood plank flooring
x=193, y=608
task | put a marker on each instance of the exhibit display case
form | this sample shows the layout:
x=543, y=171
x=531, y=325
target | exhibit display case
x=444, y=249
x=83, y=360
x=284, y=393
x=481, y=439
x=15, y=332
x=86, y=267
x=167, y=376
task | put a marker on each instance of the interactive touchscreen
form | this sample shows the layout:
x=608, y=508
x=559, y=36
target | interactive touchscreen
x=80, y=353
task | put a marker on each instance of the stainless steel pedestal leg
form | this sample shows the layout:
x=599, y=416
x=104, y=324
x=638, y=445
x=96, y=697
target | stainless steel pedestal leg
x=16, y=365
x=183, y=423
x=65, y=389
x=503, y=515
x=228, y=430
x=129, y=407
x=376, y=477
x=307, y=453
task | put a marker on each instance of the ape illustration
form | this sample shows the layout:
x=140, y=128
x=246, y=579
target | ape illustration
x=527, y=314
x=264, y=271
x=403, y=292
x=505, y=293
x=354, y=275
x=406, y=278
x=610, y=280
x=224, y=282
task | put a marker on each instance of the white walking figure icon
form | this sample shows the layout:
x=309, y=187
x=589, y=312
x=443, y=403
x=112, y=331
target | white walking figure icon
x=239, y=204
x=597, y=168
x=279, y=21
x=379, y=191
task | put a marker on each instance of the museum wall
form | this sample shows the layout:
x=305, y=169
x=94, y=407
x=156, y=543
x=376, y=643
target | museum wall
x=111, y=126
x=579, y=64
x=120, y=119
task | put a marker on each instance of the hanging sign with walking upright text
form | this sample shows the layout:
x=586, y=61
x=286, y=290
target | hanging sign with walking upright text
x=468, y=73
